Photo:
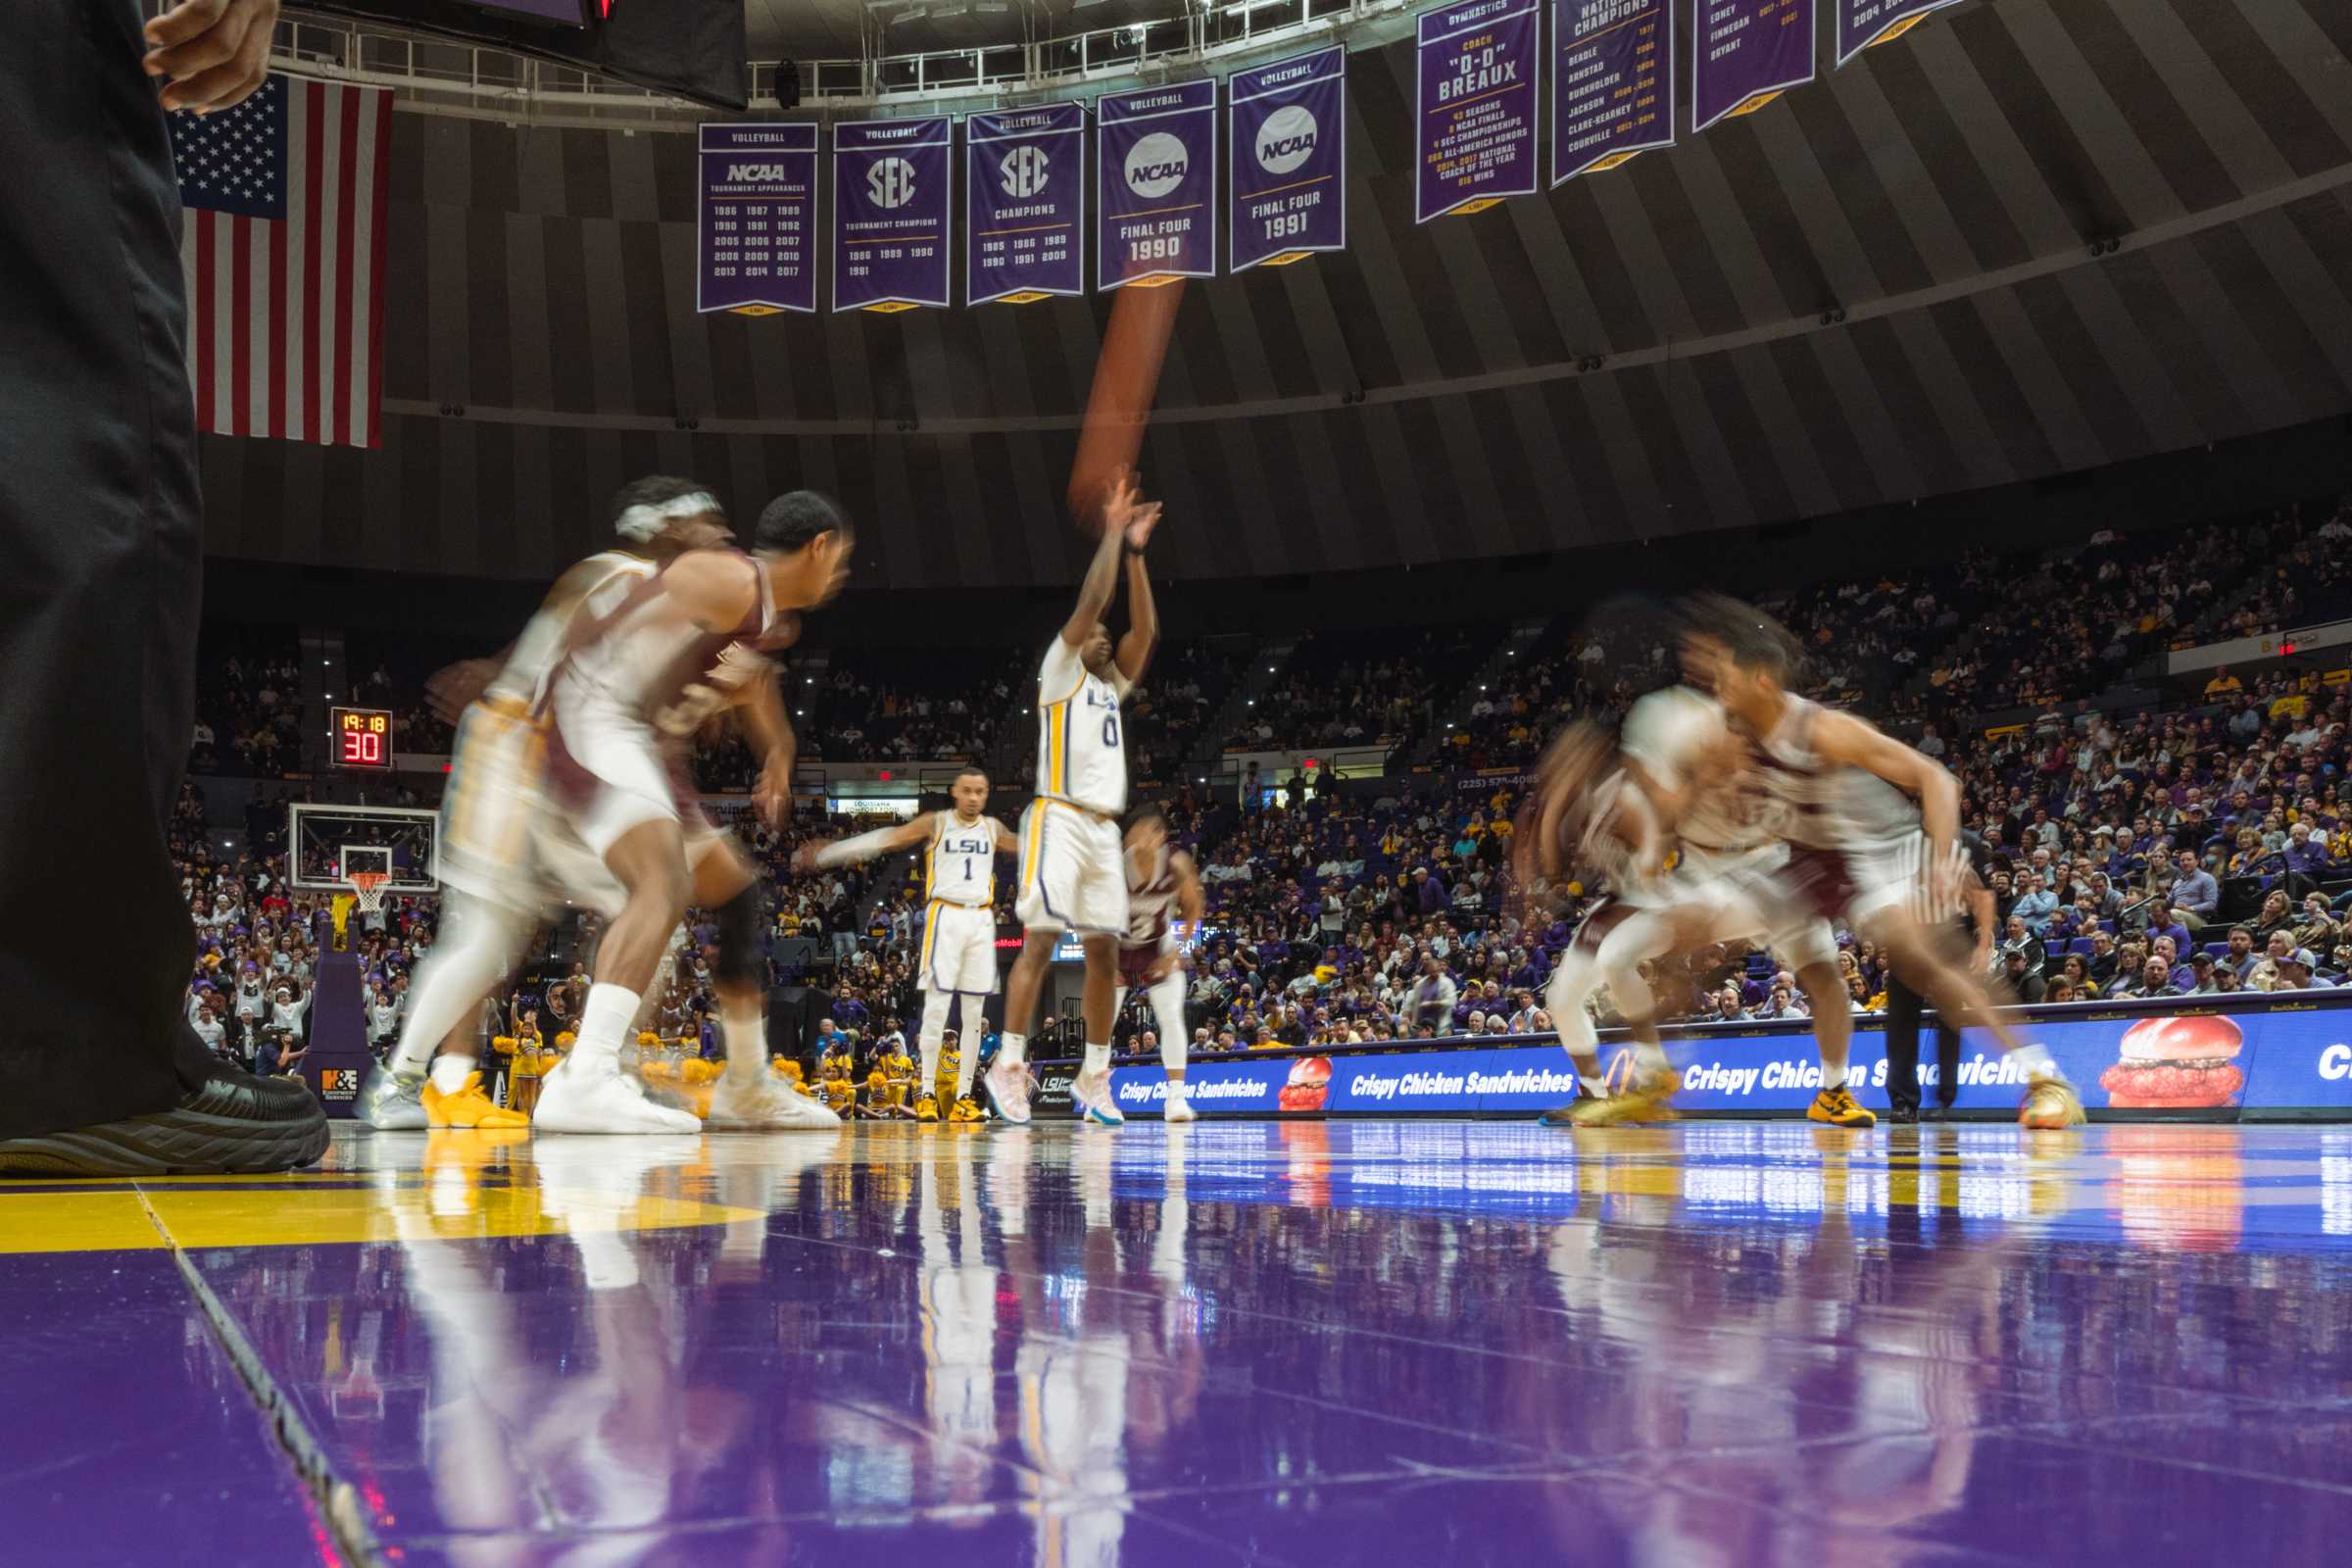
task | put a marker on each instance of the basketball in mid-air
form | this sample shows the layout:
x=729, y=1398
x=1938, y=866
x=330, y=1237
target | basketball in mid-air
x=1118, y=411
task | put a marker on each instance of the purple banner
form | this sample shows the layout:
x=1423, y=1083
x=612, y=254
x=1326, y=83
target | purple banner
x=1288, y=152
x=893, y=190
x=1863, y=23
x=1746, y=53
x=1474, y=105
x=1025, y=205
x=1612, y=83
x=1159, y=168
x=756, y=223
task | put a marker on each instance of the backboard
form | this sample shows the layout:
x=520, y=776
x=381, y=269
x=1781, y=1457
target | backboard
x=324, y=843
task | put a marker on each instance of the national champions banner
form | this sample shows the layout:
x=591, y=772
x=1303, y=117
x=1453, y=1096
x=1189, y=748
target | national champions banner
x=1024, y=202
x=1744, y=54
x=1474, y=102
x=893, y=190
x=1288, y=147
x=1863, y=23
x=1612, y=83
x=1158, y=165
x=756, y=218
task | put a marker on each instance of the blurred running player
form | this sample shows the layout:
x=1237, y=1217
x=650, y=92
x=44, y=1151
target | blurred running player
x=959, y=923
x=1071, y=876
x=1162, y=887
x=1857, y=848
x=645, y=665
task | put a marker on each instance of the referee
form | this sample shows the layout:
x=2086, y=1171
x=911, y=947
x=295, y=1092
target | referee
x=1965, y=913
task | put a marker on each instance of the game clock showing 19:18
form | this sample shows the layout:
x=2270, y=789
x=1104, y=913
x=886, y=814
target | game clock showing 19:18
x=361, y=738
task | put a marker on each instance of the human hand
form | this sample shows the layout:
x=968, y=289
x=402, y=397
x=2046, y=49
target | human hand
x=216, y=52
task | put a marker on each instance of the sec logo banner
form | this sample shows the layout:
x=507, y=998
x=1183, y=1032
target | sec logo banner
x=1024, y=172
x=890, y=182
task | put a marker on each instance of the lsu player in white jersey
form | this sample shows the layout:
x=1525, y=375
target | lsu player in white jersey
x=507, y=863
x=959, y=923
x=1162, y=887
x=1072, y=871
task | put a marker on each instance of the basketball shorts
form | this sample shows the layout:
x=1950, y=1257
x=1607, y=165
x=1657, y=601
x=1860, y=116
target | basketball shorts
x=610, y=775
x=1749, y=887
x=960, y=948
x=1074, y=872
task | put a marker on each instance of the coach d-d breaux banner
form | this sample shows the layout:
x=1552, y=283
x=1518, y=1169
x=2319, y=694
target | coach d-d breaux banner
x=1744, y=54
x=893, y=190
x=756, y=231
x=1474, y=101
x=1287, y=145
x=1024, y=200
x=1612, y=83
x=1157, y=215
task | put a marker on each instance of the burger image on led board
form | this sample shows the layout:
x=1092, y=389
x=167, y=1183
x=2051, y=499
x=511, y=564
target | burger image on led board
x=1308, y=1086
x=2176, y=1064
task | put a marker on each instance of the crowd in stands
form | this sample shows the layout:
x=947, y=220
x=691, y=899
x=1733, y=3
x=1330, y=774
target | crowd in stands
x=248, y=701
x=1361, y=688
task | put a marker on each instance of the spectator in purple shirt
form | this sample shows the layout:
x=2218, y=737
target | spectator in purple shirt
x=1429, y=894
x=2306, y=852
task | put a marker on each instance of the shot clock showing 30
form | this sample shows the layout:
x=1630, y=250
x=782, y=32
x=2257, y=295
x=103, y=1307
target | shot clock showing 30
x=361, y=737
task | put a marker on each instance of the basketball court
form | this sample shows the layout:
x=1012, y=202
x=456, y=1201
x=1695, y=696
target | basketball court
x=1239, y=1342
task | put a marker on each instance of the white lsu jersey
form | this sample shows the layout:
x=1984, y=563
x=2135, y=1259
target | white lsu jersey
x=962, y=867
x=1081, y=745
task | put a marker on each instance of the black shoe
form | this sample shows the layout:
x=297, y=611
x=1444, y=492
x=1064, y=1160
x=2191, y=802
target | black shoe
x=232, y=1123
x=1937, y=1113
x=1902, y=1116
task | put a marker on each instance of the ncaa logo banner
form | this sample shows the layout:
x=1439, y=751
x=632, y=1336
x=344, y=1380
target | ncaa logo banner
x=1024, y=204
x=1612, y=83
x=893, y=190
x=1156, y=163
x=1474, y=105
x=756, y=218
x=1288, y=150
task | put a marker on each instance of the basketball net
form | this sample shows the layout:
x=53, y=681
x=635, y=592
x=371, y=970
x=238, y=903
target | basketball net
x=369, y=888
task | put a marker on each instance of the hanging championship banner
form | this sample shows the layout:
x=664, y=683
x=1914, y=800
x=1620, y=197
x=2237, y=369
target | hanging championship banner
x=1744, y=54
x=893, y=190
x=1025, y=205
x=1158, y=165
x=756, y=218
x=1288, y=148
x=1612, y=83
x=1474, y=104
x=1864, y=23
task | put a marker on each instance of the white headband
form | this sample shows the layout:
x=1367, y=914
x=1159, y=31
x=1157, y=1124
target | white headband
x=641, y=522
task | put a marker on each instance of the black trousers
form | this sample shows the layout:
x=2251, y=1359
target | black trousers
x=100, y=578
x=1903, y=1050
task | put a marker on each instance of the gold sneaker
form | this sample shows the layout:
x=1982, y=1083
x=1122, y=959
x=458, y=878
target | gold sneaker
x=1838, y=1107
x=966, y=1110
x=926, y=1108
x=2049, y=1105
x=468, y=1107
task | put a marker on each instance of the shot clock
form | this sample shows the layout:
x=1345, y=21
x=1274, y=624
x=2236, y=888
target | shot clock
x=361, y=737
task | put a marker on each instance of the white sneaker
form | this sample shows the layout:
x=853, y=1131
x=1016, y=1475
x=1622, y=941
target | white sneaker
x=1090, y=1092
x=1008, y=1086
x=766, y=1103
x=572, y=1100
x=1179, y=1108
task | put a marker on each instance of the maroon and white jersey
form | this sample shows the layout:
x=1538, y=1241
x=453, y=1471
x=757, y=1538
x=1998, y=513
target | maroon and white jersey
x=1619, y=839
x=634, y=659
x=1150, y=902
x=1827, y=806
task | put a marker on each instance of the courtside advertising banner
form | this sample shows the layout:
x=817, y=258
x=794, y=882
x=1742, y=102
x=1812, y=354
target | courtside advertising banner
x=2211, y=1061
x=1158, y=165
x=1863, y=23
x=755, y=220
x=893, y=191
x=1612, y=83
x=1025, y=205
x=1474, y=103
x=1746, y=53
x=1287, y=145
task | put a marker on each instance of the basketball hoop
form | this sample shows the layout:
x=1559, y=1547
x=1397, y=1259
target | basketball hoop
x=369, y=888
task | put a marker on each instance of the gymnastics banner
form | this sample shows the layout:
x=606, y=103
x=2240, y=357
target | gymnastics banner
x=1474, y=103
x=893, y=190
x=1744, y=54
x=1864, y=23
x=1612, y=83
x=1025, y=205
x=1289, y=151
x=756, y=223
x=1157, y=163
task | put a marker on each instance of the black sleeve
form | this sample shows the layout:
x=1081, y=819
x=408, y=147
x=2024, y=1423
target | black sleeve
x=1980, y=856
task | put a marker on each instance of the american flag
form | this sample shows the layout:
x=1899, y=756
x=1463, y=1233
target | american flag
x=283, y=252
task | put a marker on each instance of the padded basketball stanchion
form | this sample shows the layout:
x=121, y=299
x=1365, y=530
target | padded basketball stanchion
x=338, y=1058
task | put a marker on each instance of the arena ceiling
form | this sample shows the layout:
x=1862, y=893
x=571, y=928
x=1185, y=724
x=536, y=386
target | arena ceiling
x=836, y=29
x=1636, y=354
